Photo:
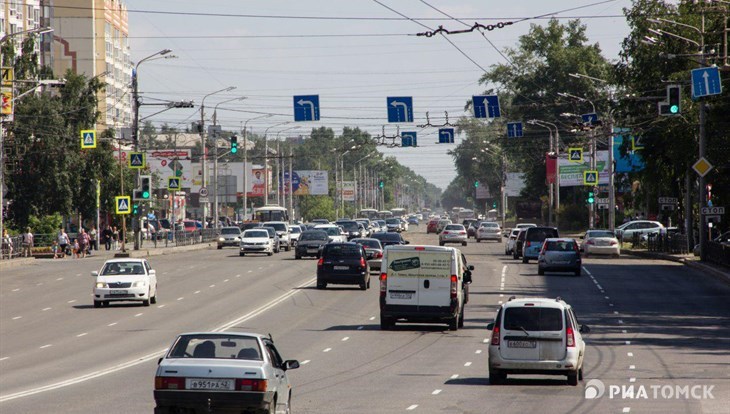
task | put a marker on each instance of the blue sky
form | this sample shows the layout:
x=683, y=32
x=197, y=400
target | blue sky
x=352, y=64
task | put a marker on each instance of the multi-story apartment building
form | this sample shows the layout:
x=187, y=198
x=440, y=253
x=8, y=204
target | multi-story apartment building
x=18, y=16
x=91, y=37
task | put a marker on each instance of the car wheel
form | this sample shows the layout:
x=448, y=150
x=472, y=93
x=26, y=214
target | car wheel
x=540, y=271
x=580, y=374
x=288, y=248
x=97, y=304
x=441, y=243
x=147, y=301
x=363, y=285
x=514, y=256
x=153, y=299
x=525, y=260
x=288, y=405
x=105, y=303
x=479, y=240
x=296, y=256
x=272, y=406
x=321, y=285
x=368, y=282
x=463, y=243
x=573, y=379
x=270, y=254
x=241, y=254
x=496, y=377
x=454, y=323
x=461, y=318
x=578, y=272
x=386, y=324
x=220, y=247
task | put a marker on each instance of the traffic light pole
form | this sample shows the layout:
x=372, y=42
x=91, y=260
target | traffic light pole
x=592, y=206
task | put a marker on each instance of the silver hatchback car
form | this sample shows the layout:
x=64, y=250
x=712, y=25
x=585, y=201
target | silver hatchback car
x=559, y=255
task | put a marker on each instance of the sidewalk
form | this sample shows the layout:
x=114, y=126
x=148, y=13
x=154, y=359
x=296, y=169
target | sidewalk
x=147, y=250
x=719, y=272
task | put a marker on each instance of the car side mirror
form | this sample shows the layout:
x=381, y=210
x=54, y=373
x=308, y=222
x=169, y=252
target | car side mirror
x=407, y=242
x=505, y=235
x=94, y=273
x=467, y=278
x=584, y=329
x=490, y=326
x=471, y=267
x=159, y=361
x=291, y=364
x=152, y=272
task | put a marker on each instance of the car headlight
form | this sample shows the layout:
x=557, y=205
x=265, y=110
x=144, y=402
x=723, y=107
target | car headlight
x=139, y=283
x=101, y=285
x=221, y=239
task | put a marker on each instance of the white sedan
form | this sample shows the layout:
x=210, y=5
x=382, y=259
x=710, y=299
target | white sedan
x=489, y=230
x=256, y=240
x=600, y=242
x=223, y=372
x=125, y=280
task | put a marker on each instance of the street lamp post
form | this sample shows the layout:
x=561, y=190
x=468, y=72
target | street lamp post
x=204, y=149
x=39, y=31
x=245, y=162
x=280, y=189
x=266, y=160
x=554, y=148
x=215, y=160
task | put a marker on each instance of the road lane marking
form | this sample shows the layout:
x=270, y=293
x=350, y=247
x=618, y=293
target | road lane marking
x=500, y=302
x=436, y=392
x=412, y=407
x=455, y=376
x=71, y=301
x=372, y=318
x=630, y=354
x=225, y=281
x=4, y=358
x=196, y=292
x=632, y=366
x=112, y=324
x=82, y=334
x=212, y=286
x=501, y=295
x=478, y=351
x=38, y=284
x=45, y=309
x=250, y=271
x=326, y=349
x=345, y=338
x=16, y=318
x=468, y=364
x=160, y=306
x=626, y=410
x=587, y=272
x=138, y=315
x=78, y=274
x=632, y=379
x=15, y=290
x=306, y=361
x=60, y=278
x=181, y=298
x=46, y=346
x=238, y=275
x=156, y=354
x=485, y=340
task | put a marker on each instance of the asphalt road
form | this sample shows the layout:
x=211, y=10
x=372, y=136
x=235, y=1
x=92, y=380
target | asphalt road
x=652, y=324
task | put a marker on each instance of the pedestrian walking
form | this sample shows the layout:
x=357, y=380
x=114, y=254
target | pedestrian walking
x=83, y=242
x=106, y=236
x=75, y=248
x=115, y=238
x=93, y=243
x=27, y=243
x=63, y=240
x=57, y=252
x=7, y=245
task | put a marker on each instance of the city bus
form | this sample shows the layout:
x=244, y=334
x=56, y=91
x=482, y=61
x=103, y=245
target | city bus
x=368, y=213
x=398, y=212
x=466, y=213
x=385, y=214
x=270, y=213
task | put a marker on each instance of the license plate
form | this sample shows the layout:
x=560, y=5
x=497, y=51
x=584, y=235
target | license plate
x=118, y=292
x=342, y=267
x=560, y=262
x=401, y=295
x=521, y=344
x=312, y=249
x=209, y=384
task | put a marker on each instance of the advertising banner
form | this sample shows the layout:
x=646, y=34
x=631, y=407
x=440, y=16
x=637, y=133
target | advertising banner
x=164, y=164
x=571, y=173
x=348, y=190
x=482, y=192
x=307, y=182
x=514, y=185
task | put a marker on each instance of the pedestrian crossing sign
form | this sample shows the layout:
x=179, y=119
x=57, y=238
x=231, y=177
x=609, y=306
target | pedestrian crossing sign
x=123, y=204
x=137, y=160
x=88, y=139
x=590, y=177
x=173, y=183
x=575, y=154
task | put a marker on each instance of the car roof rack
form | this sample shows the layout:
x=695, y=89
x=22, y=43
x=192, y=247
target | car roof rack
x=559, y=299
x=511, y=298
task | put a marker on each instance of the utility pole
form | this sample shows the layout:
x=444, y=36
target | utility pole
x=291, y=187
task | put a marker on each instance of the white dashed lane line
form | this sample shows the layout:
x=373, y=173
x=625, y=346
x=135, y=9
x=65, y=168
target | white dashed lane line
x=112, y=324
x=196, y=292
x=305, y=362
x=468, y=364
x=436, y=392
x=16, y=318
x=372, y=318
x=46, y=309
x=412, y=407
x=46, y=346
x=632, y=379
x=71, y=301
x=345, y=338
x=455, y=376
x=632, y=366
x=225, y=281
x=82, y=334
x=181, y=298
x=138, y=315
x=326, y=349
x=60, y=278
x=626, y=410
x=211, y=286
x=4, y=358
x=15, y=290
x=478, y=351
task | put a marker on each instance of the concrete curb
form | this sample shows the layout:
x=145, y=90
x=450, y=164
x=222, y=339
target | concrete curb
x=718, y=273
x=9, y=264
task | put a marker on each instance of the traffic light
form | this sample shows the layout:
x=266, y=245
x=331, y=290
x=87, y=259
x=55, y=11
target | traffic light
x=234, y=144
x=476, y=183
x=494, y=204
x=135, y=209
x=591, y=199
x=381, y=183
x=144, y=191
x=672, y=106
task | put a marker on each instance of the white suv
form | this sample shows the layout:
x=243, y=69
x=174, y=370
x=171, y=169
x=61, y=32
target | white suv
x=536, y=336
x=282, y=230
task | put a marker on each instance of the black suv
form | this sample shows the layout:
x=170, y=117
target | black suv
x=344, y=264
x=310, y=243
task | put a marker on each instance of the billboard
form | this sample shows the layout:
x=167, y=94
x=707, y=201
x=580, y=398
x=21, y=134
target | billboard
x=170, y=163
x=307, y=182
x=515, y=183
x=348, y=190
x=571, y=173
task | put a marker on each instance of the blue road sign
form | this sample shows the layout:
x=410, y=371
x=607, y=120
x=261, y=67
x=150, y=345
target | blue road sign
x=306, y=108
x=514, y=129
x=400, y=108
x=409, y=139
x=589, y=119
x=486, y=106
x=705, y=82
x=136, y=160
x=446, y=136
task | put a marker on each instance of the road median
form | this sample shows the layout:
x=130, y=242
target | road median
x=718, y=272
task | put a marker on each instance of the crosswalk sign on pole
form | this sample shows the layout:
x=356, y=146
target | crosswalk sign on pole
x=575, y=154
x=137, y=160
x=590, y=177
x=123, y=204
x=173, y=183
x=88, y=139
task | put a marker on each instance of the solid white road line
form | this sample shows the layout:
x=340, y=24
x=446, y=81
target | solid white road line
x=153, y=355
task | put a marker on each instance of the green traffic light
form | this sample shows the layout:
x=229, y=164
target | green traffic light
x=476, y=183
x=674, y=109
x=234, y=150
x=145, y=194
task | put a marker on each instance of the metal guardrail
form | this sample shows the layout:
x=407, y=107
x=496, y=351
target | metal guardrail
x=667, y=243
x=718, y=253
x=12, y=250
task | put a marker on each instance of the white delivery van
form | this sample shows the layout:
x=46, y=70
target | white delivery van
x=423, y=284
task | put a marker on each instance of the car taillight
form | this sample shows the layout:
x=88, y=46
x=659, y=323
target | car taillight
x=544, y=248
x=320, y=262
x=454, y=283
x=527, y=244
x=575, y=247
x=590, y=242
x=570, y=337
x=362, y=262
x=495, y=335
x=614, y=242
x=259, y=385
x=169, y=383
x=383, y=284
x=445, y=232
x=378, y=255
x=462, y=232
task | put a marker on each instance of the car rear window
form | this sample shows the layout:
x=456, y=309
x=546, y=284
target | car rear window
x=348, y=225
x=533, y=318
x=371, y=243
x=454, y=227
x=536, y=234
x=389, y=237
x=230, y=230
x=216, y=346
x=601, y=234
x=561, y=246
x=342, y=250
x=313, y=235
x=278, y=226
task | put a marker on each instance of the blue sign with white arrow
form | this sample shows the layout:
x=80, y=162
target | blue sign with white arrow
x=705, y=82
x=409, y=139
x=514, y=129
x=486, y=106
x=306, y=108
x=446, y=136
x=400, y=108
x=589, y=119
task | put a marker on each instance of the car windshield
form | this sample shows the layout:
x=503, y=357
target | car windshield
x=216, y=346
x=255, y=233
x=490, y=224
x=371, y=243
x=342, y=250
x=278, y=226
x=313, y=235
x=332, y=231
x=540, y=234
x=348, y=225
x=381, y=223
x=600, y=234
x=561, y=246
x=295, y=229
x=454, y=227
x=387, y=237
x=230, y=230
x=533, y=319
x=123, y=268
x=392, y=221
